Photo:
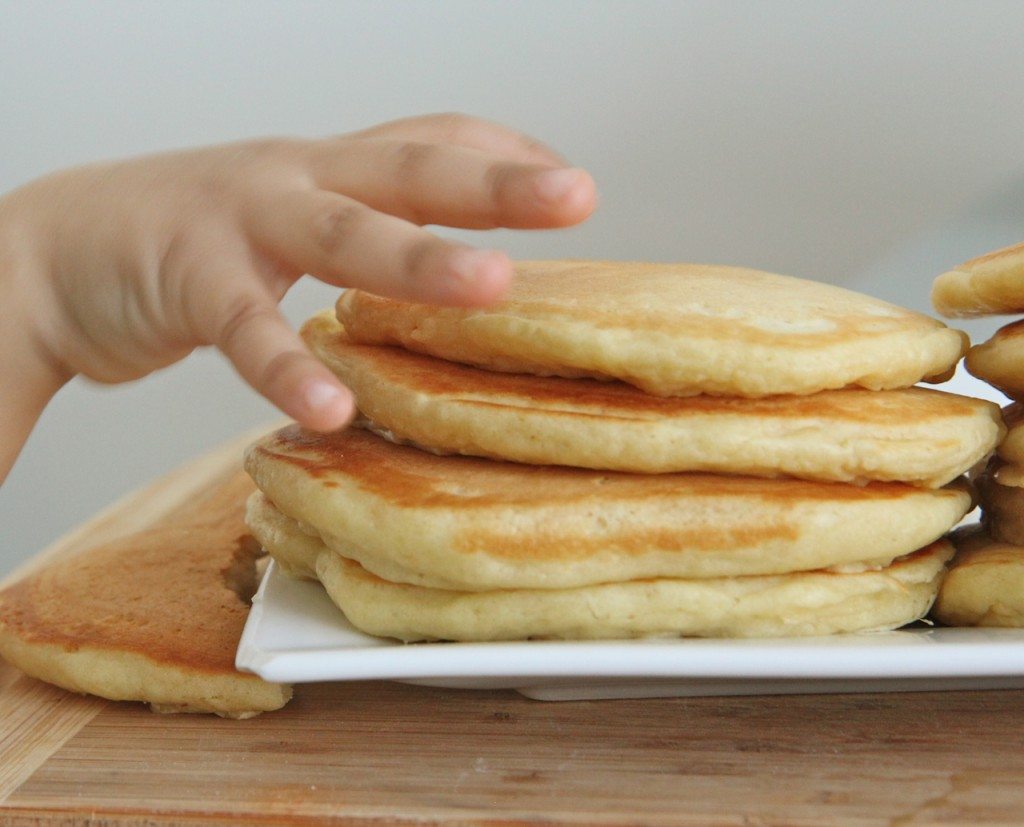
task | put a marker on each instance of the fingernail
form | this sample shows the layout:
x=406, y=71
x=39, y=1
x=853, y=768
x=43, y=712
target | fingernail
x=471, y=265
x=555, y=184
x=319, y=395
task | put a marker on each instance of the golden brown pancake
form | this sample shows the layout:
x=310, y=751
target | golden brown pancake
x=985, y=583
x=852, y=435
x=155, y=616
x=1011, y=448
x=672, y=330
x=805, y=603
x=990, y=284
x=475, y=524
x=1001, y=488
x=1000, y=360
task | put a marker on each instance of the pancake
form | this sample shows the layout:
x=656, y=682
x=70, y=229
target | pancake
x=1001, y=488
x=475, y=524
x=672, y=330
x=155, y=616
x=990, y=284
x=1011, y=448
x=1000, y=360
x=853, y=435
x=807, y=603
x=985, y=583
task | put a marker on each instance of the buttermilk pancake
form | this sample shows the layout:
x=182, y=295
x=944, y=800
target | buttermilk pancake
x=805, y=603
x=1011, y=448
x=985, y=583
x=990, y=284
x=474, y=524
x=1001, y=488
x=154, y=617
x=852, y=435
x=672, y=330
x=1000, y=360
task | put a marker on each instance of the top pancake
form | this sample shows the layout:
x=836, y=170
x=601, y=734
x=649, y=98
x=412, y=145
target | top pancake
x=476, y=524
x=851, y=435
x=987, y=285
x=672, y=330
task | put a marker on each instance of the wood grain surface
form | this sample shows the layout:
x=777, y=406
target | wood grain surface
x=389, y=753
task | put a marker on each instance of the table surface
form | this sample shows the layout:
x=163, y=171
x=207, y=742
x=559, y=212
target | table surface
x=389, y=753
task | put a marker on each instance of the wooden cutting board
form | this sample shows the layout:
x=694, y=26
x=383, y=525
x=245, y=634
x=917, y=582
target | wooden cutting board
x=390, y=753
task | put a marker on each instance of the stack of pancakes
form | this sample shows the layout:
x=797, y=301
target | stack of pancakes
x=985, y=586
x=622, y=450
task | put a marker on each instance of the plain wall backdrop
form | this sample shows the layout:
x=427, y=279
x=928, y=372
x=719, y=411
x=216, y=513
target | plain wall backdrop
x=870, y=144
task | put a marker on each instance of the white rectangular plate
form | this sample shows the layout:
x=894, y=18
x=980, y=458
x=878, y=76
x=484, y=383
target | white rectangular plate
x=295, y=634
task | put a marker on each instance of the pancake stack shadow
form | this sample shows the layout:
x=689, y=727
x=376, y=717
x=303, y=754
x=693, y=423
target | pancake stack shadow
x=622, y=450
x=985, y=584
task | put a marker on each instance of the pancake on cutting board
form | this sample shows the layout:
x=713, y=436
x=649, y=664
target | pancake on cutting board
x=672, y=330
x=155, y=616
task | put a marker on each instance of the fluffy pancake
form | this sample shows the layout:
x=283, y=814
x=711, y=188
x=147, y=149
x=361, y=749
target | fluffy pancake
x=672, y=330
x=852, y=435
x=1001, y=488
x=1011, y=448
x=992, y=283
x=155, y=616
x=476, y=524
x=807, y=603
x=985, y=583
x=1000, y=360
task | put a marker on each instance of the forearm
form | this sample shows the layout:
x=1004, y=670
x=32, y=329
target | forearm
x=29, y=375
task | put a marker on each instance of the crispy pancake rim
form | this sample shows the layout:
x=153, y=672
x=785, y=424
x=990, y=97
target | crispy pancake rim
x=853, y=435
x=464, y=522
x=673, y=330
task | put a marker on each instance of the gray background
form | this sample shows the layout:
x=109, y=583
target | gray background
x=870, y=144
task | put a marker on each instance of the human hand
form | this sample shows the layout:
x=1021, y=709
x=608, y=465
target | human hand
x=119, y=269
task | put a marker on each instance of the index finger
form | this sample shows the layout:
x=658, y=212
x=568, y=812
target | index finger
x=470, y=132
x=457, y=187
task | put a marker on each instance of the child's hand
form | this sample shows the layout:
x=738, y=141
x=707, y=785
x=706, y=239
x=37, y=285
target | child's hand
x=119, y=269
